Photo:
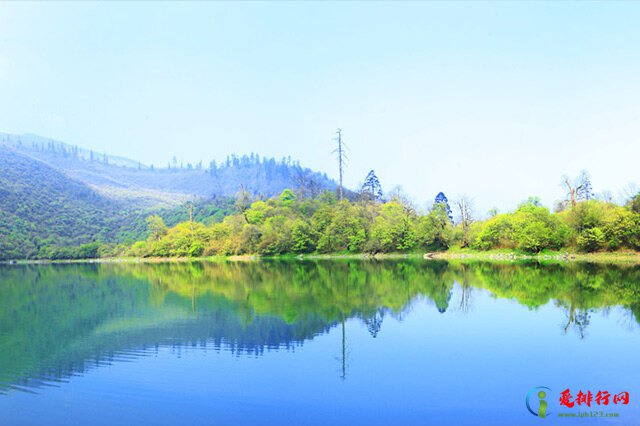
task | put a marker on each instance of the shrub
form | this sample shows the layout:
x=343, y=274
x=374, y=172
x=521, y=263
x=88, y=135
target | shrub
x=591, y=240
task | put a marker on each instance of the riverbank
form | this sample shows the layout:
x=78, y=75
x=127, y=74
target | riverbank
x=511, y=255
x=235, y=258
x=452, y=255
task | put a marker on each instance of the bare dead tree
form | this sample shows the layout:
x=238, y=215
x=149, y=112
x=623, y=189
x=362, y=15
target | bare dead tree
x=630, y=191
x=465, y=211
x=243, y=202
x=465, y=291
x=571, y=190
x=190, y=209
x=580, y=189
x=579, y=318
x=306, y=185
x=342, y=158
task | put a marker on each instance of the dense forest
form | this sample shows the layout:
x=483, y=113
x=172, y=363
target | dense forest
x=292, y=224
x=42, y=208
x=61, y=202
x=44, y=214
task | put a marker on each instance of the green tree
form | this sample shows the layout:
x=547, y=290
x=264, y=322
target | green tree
x=435, y=230
x=156, y=228
x=394, y=229
x=371, y=188
x=341, y=230
x=288, y=198
x=591, y=239
x=302, y=236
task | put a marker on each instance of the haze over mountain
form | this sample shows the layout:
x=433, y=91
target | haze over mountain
x=152, y=186
x=54, y=195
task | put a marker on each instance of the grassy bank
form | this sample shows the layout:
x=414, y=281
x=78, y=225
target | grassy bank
x=503, y=255
x=498, y=256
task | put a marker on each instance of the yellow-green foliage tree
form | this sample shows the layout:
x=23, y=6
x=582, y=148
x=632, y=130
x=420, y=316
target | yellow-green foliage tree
x=289, y=224
x=531, y=228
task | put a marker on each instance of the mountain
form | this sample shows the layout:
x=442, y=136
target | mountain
x=42, y=207
x=54, y=195
x=145, y=186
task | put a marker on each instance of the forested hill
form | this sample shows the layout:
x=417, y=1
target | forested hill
x=149, y=186
x=41, y=208
x=55, y=197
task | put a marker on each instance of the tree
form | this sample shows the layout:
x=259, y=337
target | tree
x=531, y=201
x=288, y=198
x=156, y=227
x=371, y=188
x=629, y=192
x=342, y=158
x=591, y=239
x=466, y=219
x=190, y=211
x=243, y=202
x=442, y=199
x=634, y=204
x=306, y=184
x=530, y=228
x=580, y=189
x=435, y=231
x=535, y=229
x=340, y=228
x=301, y=234
x=584, y=190
x=394, y=229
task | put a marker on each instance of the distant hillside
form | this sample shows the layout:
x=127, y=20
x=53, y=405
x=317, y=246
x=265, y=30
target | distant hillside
x=151, y=187
x=41, y=207
x=54, y=195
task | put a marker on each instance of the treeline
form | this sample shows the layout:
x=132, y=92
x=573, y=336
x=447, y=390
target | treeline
x=44, y=214
x=129, y=229
x=291, y=225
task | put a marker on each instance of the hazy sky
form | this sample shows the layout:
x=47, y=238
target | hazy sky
x=492, y=100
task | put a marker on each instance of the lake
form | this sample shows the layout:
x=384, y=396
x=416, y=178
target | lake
x=328, y=342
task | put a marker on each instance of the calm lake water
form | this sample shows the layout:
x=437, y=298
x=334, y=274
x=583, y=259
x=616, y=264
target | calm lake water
x=326, y=342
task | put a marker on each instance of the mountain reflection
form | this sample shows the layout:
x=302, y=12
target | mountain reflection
x=63, y=319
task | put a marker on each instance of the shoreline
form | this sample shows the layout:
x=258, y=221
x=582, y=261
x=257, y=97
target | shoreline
x=491, y=256
x=509, y=256
x=233, y=258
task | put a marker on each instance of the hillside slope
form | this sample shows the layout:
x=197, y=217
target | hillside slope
x=54, y=195
x=41, y=208
x=151, y=187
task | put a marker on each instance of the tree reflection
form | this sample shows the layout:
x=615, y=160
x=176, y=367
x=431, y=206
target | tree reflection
x=374, y=323
x=579, y=319
x=66, y=318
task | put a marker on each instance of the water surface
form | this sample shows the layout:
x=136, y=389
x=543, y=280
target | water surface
x=314, y=342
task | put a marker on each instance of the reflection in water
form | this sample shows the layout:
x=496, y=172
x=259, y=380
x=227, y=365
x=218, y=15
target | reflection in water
x=579, y=319
x=60, y=320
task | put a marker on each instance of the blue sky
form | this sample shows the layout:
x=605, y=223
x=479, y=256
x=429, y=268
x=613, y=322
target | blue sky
x=490, y=100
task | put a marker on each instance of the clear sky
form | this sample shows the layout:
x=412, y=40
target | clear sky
x=491, y=100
